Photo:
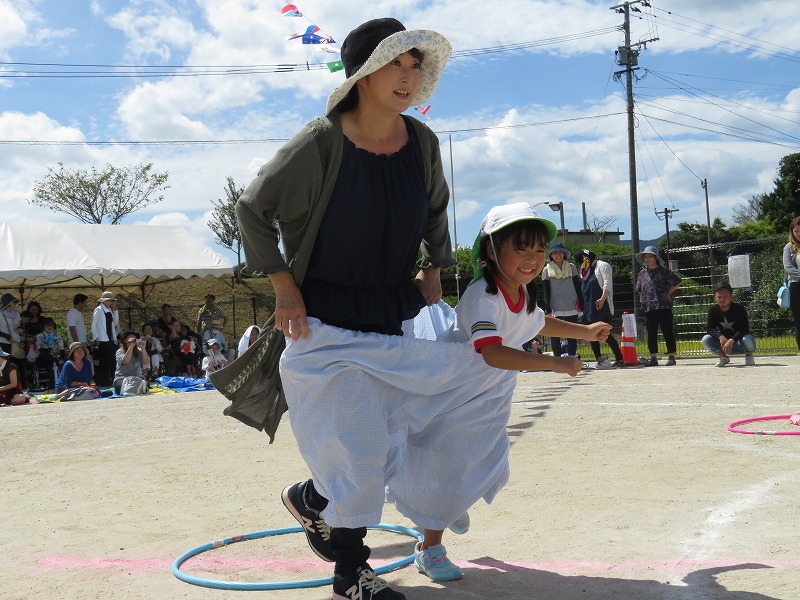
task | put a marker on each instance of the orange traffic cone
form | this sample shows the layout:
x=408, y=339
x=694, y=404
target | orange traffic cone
x=627, y=346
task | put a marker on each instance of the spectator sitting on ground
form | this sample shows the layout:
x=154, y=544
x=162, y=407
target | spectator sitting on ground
x=49, y=346
x=214, y=360
x=77, y=371
x=248, y=338
x=131, y=361
x=210, y=312
x=184, y=346
x=10, y=386
x=728, y=328
x=213, y=332
x=165, y=321
x=76, y=326
x=153, y=348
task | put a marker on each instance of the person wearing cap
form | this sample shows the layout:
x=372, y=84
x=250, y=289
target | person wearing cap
x=131, y=360
x=354, y=195
x=597, y=290
x=77, y=370
x=10, y=382
x=214, y=332
x=791, y=267
x=728, y=328
x=496, y=315
x=561, y=293
x=105, y=328
x=214, y=359
x=656, y=285
x=210, y=313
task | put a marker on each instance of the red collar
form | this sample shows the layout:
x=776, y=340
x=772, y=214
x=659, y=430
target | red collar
x=509, y=302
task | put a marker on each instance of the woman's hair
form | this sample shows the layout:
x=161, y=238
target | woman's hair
x=350, y=101
x=521, y=235
x=36, y=304
x=793, y=240
x=124, y=346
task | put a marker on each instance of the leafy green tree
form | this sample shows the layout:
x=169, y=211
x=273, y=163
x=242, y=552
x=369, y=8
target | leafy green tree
x=92, y=197
x=783, y=204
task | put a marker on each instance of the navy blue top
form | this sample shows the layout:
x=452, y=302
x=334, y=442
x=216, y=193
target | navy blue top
x=360, y=275
x=69, y=374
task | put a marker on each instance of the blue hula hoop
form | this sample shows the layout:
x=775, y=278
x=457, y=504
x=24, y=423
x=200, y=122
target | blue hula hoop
x=279, y=585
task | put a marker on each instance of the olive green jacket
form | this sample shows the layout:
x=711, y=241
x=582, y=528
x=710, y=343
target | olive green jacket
x=293, y=190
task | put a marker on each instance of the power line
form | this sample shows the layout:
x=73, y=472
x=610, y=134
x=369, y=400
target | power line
x=271, y=140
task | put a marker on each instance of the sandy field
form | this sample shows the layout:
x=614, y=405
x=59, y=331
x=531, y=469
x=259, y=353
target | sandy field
x=625, y=485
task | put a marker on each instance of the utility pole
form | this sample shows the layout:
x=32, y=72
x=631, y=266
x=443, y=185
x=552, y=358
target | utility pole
x=704, y=184
x=667, y=212
x=628, y=57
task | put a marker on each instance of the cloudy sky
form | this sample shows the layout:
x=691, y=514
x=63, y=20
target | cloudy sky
x=529, y=104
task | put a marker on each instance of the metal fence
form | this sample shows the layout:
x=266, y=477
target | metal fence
x=772, y=327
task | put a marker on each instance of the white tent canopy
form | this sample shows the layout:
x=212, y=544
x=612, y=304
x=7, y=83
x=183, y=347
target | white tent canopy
x=61, y=257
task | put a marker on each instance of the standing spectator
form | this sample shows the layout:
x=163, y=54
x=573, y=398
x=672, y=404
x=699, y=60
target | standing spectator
x=597, y=289
x=105, y=328
x=656, y=285
x=210, y=312
x=248, y=338
x=12, y=333
x=10, y=386
x=791, y=264
x=76, y=326
x=728, y=328
x=562, y=293
x=77, y=371
x=35, y=322
x=131, y=359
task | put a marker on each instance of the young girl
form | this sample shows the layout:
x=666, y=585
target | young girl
x=498, y=314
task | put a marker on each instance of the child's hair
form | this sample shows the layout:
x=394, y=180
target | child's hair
x=793, y=240
x=522, y=235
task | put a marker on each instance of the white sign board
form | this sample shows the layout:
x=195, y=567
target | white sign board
x=739, y=271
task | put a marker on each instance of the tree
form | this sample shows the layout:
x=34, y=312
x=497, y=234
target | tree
x=600, y=226
x=224, y=224
x=111, y=194
x=783, y=204
x=749, y=212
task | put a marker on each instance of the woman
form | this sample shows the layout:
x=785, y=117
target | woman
x=248, y=338
x=131, y=359
x=35, y=323
x=562, y=293
x=656, y=285
x=597, y=291
x=77, y=371
x=12, y=333
x=10, y=386
x=791, y=265
x=366, y=185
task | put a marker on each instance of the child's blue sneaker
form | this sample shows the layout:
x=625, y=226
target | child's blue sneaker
x=461, y=524
x=434, y=563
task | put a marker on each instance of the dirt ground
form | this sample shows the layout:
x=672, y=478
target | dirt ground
x=625, y=485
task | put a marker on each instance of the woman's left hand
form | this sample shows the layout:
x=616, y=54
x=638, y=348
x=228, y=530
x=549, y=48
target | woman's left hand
x=429, y=284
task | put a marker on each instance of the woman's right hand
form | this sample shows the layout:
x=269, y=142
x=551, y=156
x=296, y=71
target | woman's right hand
x=290, y=309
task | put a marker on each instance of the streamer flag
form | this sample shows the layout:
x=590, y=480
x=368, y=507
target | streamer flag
x=290, y=10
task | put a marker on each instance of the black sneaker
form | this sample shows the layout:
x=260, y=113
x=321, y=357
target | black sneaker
x=316, y=529
x=363, y=585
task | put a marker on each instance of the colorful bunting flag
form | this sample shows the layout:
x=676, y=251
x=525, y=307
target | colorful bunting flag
x=336, y=65
x=290, y=10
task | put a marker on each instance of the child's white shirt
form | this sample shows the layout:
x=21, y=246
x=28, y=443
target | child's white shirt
x=484, y=319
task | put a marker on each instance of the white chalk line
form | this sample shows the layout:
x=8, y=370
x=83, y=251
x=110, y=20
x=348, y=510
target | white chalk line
x=708, y=541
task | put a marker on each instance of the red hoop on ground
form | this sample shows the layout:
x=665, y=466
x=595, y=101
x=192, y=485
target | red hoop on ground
x=733, y=426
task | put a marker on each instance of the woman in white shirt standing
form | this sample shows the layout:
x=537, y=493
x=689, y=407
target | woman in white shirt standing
x=105, y=329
